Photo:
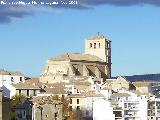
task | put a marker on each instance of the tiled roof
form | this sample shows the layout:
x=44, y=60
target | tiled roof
x=54, y=91
x=76, y=57
x=76, y=78
x=82, y=87
x=92, y=94
x=97, y=37
x=86, y=94
x=141, y=84
x=120, y=95
x=32, y=83
x=45, y=100
x=86, y=83
x=15, y=73
x=76, y=96
x=106, y=88
x=4, y=72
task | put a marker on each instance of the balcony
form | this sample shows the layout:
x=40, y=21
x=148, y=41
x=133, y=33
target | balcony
x=131, y=108
x=131, y=116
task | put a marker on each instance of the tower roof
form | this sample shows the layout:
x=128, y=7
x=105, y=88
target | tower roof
x=97, y=37
x=15, y=73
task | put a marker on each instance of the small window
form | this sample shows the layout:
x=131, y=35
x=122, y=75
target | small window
x=12, y=80
x=107, y=52
x=108, y=45
x=19, y=91
x=56, y=116
x=34, y=92
x=70, y=108
x=46, y=116
x=78, y=107
x=77, y=101
x=94, y=45
x=70, y=101
x=99, y=45
x=77, y=91
x=20, y=79
x=90, y=45
x=27, y=92
x=125, y=105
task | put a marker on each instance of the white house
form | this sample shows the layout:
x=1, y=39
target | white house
x=7, y=79
x=8, y=91
x=11, y=77
x=102, y=110
x=133, y=107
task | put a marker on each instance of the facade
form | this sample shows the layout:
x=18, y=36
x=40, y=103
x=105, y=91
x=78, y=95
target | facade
x=28, y=88
x=102, y=110
x=143, y=87
x=46, y=108
x=9, y=90
x=83, y=102
x=23, y=112
x=11, y=77
x=100, y=47
x=154, y=109
x=95, y=62
x=8, y=79
x=117, y=84
x=132, y=106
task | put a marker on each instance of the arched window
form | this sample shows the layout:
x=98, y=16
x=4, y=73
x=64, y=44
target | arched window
x=108, y=45
x=90, y=45
x=94, y=45
x=99, y=45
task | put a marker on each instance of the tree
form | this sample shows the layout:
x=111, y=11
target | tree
x=17, y=100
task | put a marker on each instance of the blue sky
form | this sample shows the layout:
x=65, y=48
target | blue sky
x=28, y=41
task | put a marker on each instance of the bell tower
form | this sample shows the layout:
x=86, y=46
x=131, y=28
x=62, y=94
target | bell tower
x=100, y=46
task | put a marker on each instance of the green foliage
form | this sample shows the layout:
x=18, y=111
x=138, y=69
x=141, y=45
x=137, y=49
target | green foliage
x=13, y=115
x=17, y=100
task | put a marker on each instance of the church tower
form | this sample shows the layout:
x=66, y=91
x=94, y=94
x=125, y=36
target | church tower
x=100, y=46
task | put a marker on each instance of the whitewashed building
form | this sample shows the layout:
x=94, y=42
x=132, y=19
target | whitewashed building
x=102, y=110
x=134, y=106
x=11, y=77
x=8, y=79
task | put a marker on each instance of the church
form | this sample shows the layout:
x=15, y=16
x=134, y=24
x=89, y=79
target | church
x=94, y=62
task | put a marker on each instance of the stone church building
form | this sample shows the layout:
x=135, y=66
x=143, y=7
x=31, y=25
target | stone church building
x=95, y=62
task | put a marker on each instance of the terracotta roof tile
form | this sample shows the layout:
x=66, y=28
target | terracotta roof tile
x=120, y=95
x=76, y=57
x=45, y=100
x=32, y=83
